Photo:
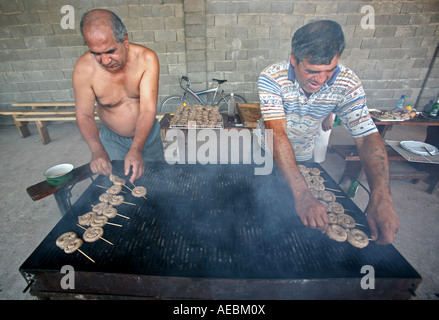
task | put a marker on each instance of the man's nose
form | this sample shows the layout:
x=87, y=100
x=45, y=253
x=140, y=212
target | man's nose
x=105, y=59
x=321, y=77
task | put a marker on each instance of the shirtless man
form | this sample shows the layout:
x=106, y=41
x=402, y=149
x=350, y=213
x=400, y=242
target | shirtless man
x=122, y=79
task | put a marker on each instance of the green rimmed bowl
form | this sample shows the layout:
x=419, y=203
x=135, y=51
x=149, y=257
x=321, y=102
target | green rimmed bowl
x=59, y=174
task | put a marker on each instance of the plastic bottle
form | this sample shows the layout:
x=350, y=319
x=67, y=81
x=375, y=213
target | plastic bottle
x=352, y=190
x=400, y=103
x=353, y=187
x=231, y=108
x=427, y=107
x=434, y=111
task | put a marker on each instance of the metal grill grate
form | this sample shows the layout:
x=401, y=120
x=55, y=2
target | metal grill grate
x=214, y=221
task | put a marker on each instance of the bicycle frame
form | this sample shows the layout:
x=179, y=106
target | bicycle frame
x=197, y=94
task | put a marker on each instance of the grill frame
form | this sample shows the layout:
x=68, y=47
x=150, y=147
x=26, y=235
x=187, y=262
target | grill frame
x=172, y=255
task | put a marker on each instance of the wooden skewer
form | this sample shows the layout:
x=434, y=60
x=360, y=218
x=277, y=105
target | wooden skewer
x=107, y=188
x=106, y=240
x=332, y=189
x=359, y=224
x=113, y=224
x=129, y=203
x=86, y=255
x=99, y=237
x=128, y=188
x=123, y=216
x=339, y=196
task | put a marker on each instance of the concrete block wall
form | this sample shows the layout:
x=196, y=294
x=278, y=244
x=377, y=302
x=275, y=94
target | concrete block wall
x=230, y=39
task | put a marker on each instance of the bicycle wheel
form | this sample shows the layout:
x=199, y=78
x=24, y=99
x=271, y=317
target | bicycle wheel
x=170, y=104
x=224, y=104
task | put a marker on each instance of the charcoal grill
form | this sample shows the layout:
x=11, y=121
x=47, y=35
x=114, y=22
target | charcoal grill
x=214, y=232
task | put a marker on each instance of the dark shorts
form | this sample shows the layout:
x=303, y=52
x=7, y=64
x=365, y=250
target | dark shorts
x=117, y=146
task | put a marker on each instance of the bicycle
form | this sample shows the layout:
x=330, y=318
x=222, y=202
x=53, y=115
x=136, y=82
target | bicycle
x=190, y=97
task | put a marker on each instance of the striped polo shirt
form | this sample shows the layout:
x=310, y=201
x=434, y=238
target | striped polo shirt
x=281, y=97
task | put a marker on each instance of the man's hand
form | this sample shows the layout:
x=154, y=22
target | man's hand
x=381, y=215
x=311, y=212
x=100, y=163
x=135, y=160
x=382, y=218
x=328, y=122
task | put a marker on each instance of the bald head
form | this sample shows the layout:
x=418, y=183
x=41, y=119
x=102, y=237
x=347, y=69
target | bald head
x=103, y=21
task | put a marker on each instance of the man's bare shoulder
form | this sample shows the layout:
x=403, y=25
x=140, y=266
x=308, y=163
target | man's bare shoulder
x=144, y=54
x=85, y=66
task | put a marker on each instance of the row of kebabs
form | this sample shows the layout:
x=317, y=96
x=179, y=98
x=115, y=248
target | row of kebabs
x=342, y=226
x=96, y=219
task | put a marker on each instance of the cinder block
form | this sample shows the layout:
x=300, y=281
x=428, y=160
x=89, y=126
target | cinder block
x=196, y=55
x=412, y=7
x=20, y=31
x=236, y=32
x=34, y=76
x=399, y=20
x=282, y=7
x=62, y=95
x=215, y=7
x=12, y=44
x=237, y=7
x=381, y=53
x=268, y=43
x=226, y=20
x=165, y=35
x=300, y=8
x=162, y=11
x=153, y=23
x=195, y=31
x=382, y=32
x=192, y=18
x=194, y=5
x=41, y=96
x=225, y=65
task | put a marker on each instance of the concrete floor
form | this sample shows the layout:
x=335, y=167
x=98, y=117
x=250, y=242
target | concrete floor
x=24, y=223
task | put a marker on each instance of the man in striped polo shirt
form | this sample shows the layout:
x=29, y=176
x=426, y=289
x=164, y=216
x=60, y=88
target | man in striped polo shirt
x=296, y=96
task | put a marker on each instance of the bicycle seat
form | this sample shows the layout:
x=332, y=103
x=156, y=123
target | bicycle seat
x=219, y=81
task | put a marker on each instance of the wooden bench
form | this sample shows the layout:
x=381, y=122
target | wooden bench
x=40, y=113
x=353, y=165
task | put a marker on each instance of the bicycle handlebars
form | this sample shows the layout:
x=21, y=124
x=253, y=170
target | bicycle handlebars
x=188, y=82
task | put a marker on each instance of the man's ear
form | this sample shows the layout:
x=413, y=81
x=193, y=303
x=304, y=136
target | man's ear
x=293, y=61
x=126, y=42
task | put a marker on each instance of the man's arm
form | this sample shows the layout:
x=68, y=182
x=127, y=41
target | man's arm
x=381, y=215
x=84, y=106
x=310, y=211
x=147, y=112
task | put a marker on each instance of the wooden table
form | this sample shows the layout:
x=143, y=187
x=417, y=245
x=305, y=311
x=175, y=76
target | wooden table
x=62, y=193
x=384, y=126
